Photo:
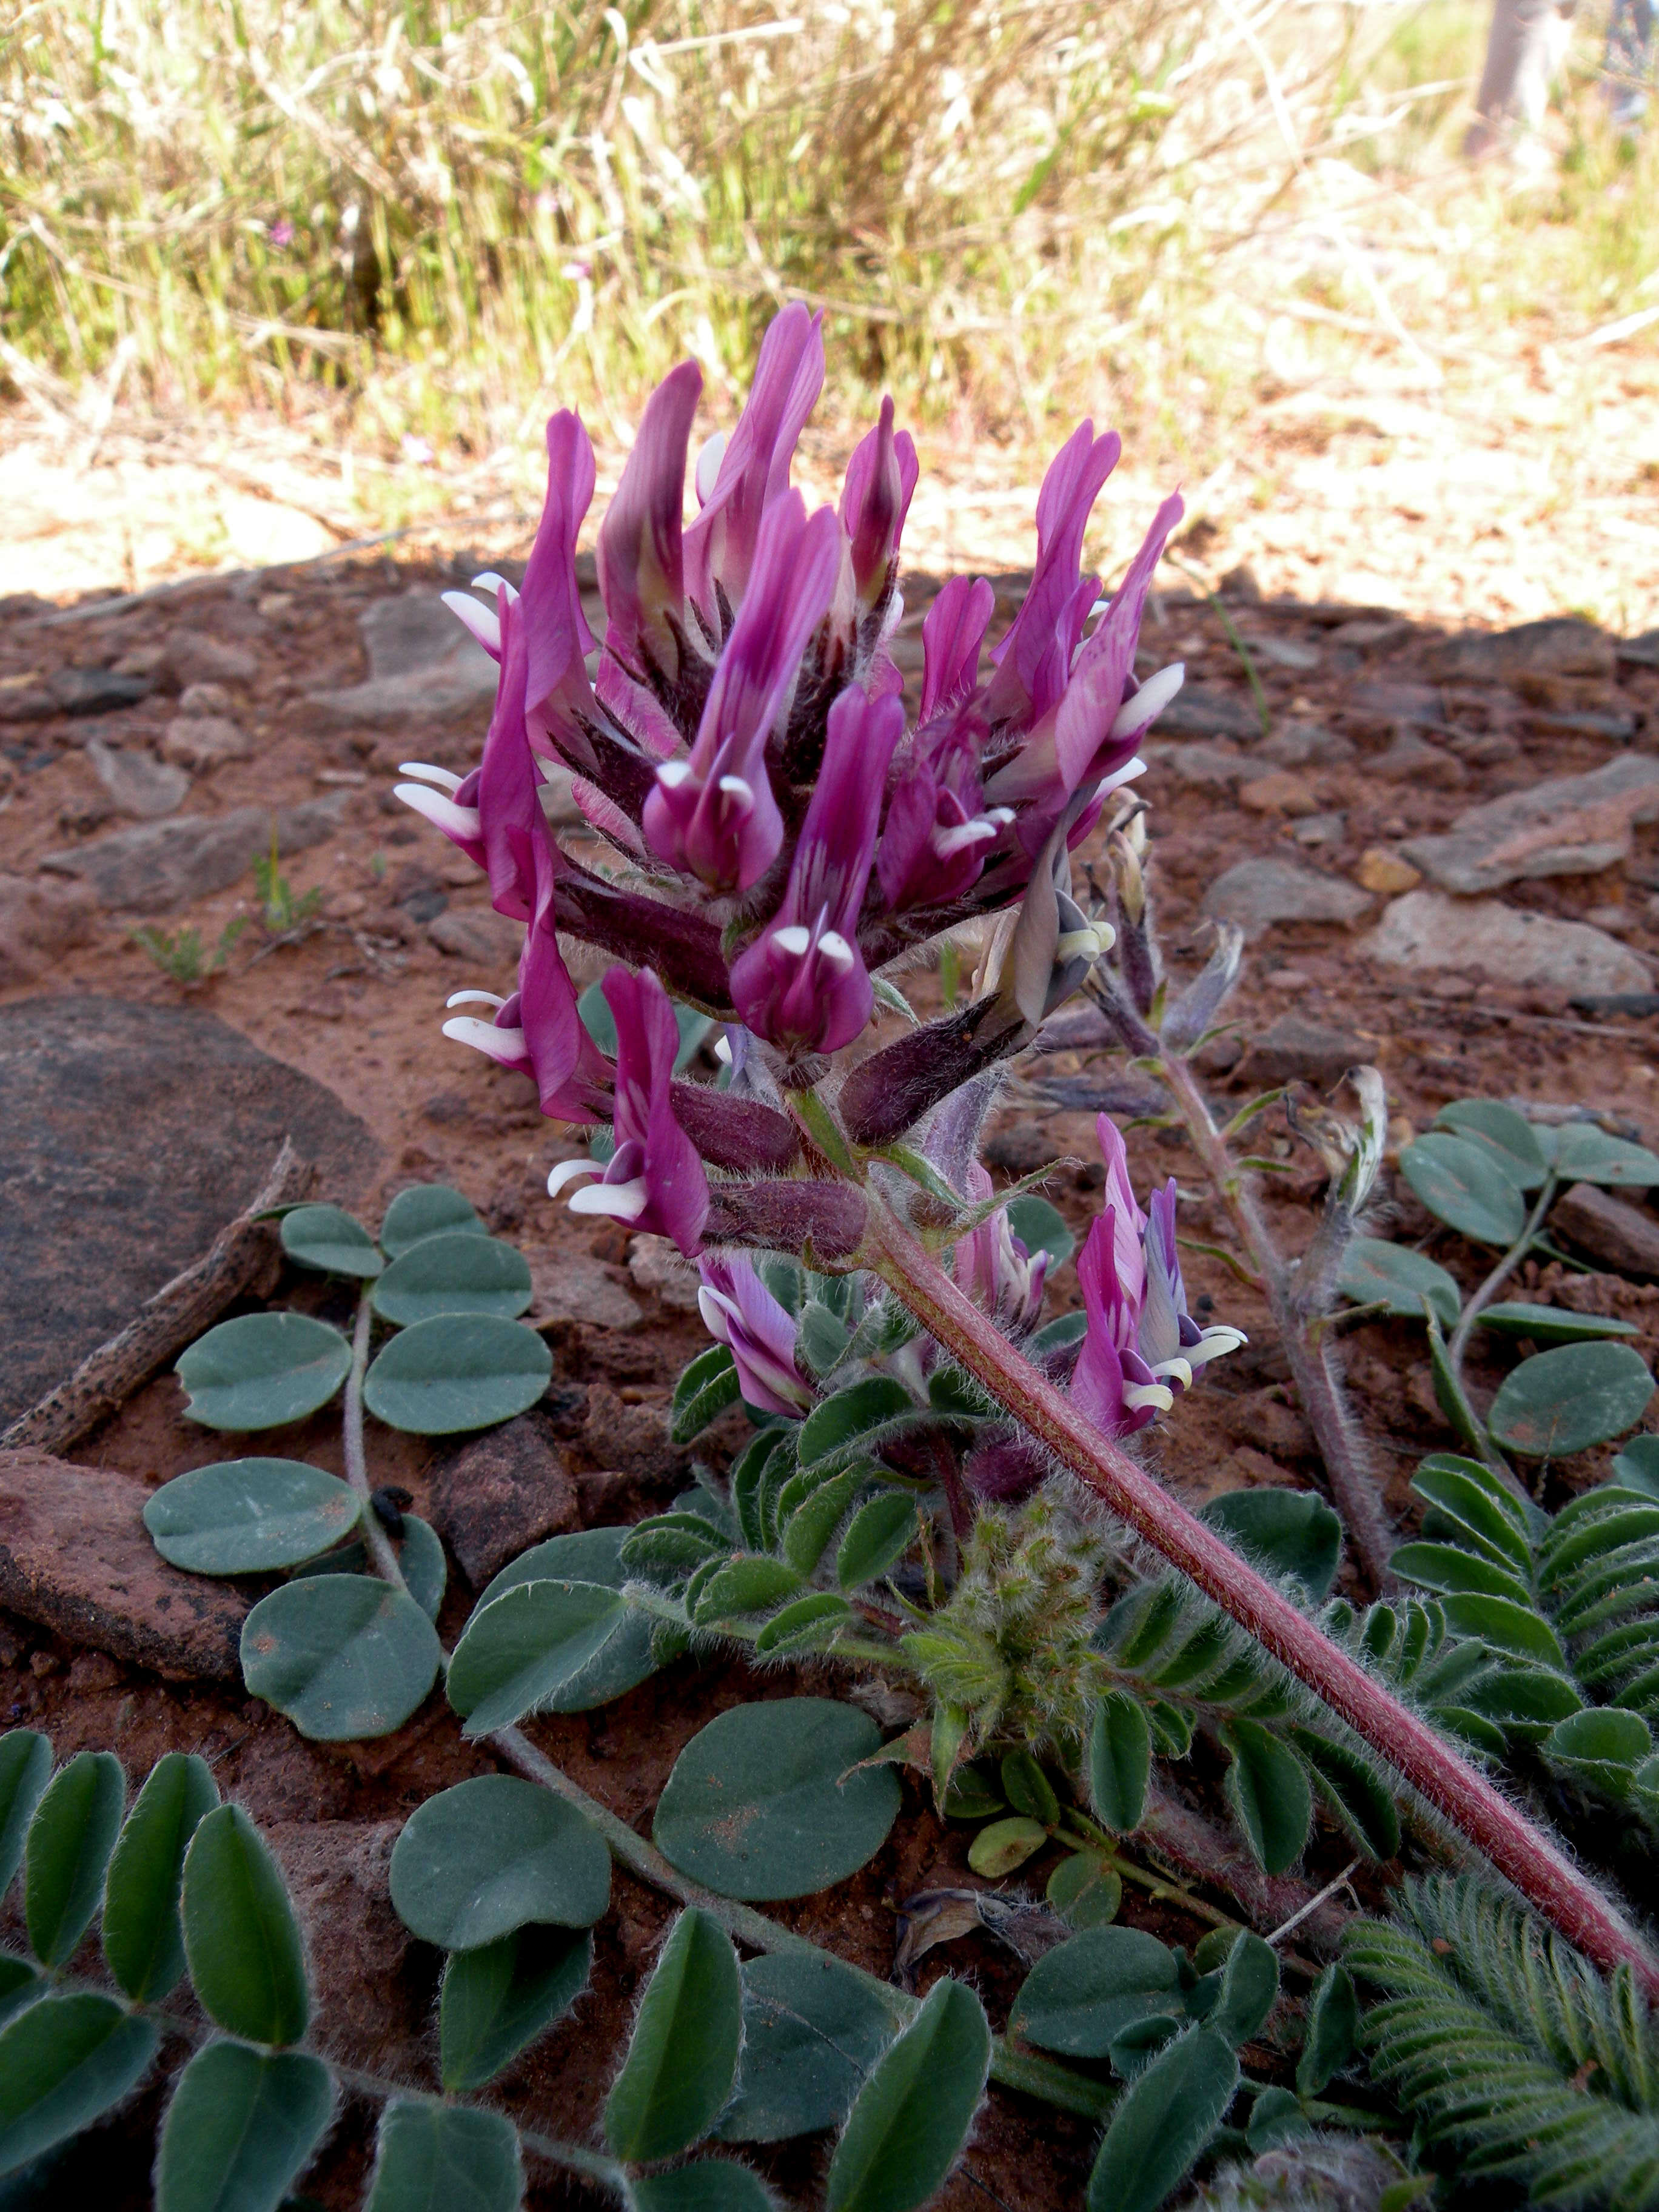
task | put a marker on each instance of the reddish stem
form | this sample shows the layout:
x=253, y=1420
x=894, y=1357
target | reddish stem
x=1534, y=1864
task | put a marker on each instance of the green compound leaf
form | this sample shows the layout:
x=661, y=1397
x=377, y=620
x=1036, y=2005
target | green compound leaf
x=1449, y=1572
x=1250, y=1986
x=683, y=2055
x=443, y=2158
x=1267, y=1785
x=1585, y=1153
x=1355, y=1791
x=845, y=1422
x=1564, y=1401
x=1276, y=2117
x=1028, y=1789
x=25, y=1770
x=1506, y=1626
x=703, y=1392
x=1041, y=1227
x=1636, y=1468
x=243, y=2124
x=1085, y=1891
x=547, y=1646
x=489, y=1855
x=763, y=1804
x=1375, y=1272
x=911, y=2118
x=456, y=1272
x=809, y=1523
x=263, y=1371
x=812, y=2031
x=878, y=1535
x=70, y=1841
x=1005, y=1844
x=1507, y=1135
x=62, y=2062
x=1080, y=1997
x=457, y=1371
x=344, y=1656
x=1601, y=1747
x=498, y=1998
x=328, y=1238
x=1291, y=1532
x=1462, y=1184
x=1330, y=2038
x=1161, y=2126
x=249, y=1516
x=143, y=1940
x=241, y=1939
x=1551, y=1325
x=427, y=1209
x=712, y=2184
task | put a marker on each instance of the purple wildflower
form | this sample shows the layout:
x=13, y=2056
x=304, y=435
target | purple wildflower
x=653, y=1181
x=803, y=985
x=993, y=1267
x=738, y=1310
x=737, y=481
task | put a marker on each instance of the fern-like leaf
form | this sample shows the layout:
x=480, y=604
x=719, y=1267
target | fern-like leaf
x=1510, y=2050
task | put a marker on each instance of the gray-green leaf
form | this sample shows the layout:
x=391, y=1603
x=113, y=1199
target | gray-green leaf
x=911, y=2118
x=263, y=1371
x=457, y=1371
x=763, y=1804
x=426, y=1209
x=328, y=1238
x=25, y=1770
x=344, y=1656
x=498, y=1998
x=456, y=1272
x=62, y=2062
x=1375, y=1271
x=683, y=2055
x=1163, y=2123
x=249, y=1516
x=241, y=1939
x=812, y=2031
x=1267, y=1785
x=1566, y=1400
x=1461, y=1183
x=243, y=2124
x=547, y=1646
x=143, y=1940
x=491, y=1855
x=1080, y=1997
x=70, y=1841
x=444, y=2158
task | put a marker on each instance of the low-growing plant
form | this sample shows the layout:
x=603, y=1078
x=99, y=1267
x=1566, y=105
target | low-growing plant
x=918, y=1482
x=181, y=955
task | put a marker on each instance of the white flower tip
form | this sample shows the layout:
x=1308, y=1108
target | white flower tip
x=708, y=467
x=474, y=999
x=1136, y=1395
x=490, y=581
x=507, y=1045
x=796, y=940
x=835, y=950
x=1138, y=713
x=566, y=1171
x=423, y=772
x=483, y=622
x=622, y=1201
x=462, y=824
x=672, y=774
x=738, y=793
x=723, y=1050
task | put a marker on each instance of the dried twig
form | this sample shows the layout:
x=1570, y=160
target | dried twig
x=174, y=1317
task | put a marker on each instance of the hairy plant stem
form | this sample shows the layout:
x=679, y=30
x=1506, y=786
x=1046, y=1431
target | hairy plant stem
x=1312, y=1368
x=1480, y=1814
x=1015, y=2069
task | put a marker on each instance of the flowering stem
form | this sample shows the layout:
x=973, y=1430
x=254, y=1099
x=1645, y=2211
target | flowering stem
x=1481, y=1814
x=1317, y=1389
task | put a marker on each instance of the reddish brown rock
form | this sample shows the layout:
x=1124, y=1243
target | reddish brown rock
x=502, y=1494
x=372, y=1989
x=1621, y=1235
x=633, y=1439
x=74, y=1555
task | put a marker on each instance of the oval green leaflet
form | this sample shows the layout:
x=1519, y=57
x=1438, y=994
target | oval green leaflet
x=263, y=1371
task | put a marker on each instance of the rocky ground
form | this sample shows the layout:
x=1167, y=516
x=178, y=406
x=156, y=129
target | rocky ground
x=1444, y=852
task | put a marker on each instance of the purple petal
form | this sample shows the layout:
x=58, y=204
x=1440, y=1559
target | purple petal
x=722, y=545
x=953, y=633
x=641, y=570
x=881, y=480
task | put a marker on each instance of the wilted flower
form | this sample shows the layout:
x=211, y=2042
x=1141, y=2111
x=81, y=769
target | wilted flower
x=1143, y=1348
x=738, y=1310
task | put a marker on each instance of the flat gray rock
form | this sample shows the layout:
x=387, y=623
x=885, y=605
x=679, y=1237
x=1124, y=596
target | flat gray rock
x=133, y=1134
x=1426, y=930
x=199, y=656
x=1203, y=767
x=423, y=666
x=1622, y=1237
x=203, y=741
x=75, y=1558
x=1295, y=1049
x=40, y=918
x=158, y=865
x=1571, y=825
x=1198, y=710
x=1307, y=745
x=138, y=783
x=1257, y=895
x=480, y=936
x=1560, y=646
